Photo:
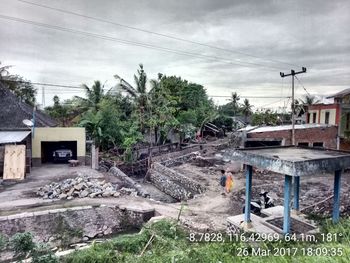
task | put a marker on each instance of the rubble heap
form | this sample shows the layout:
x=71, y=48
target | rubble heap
x=81, y=187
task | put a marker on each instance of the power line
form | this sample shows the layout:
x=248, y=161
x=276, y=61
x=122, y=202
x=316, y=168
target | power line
x=274, y=102
x=248, y=97
x=152, y=32
x=46, y=84
x=134, y=43
x=302, y=86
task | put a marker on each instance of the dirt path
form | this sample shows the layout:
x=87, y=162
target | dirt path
x=206, y=211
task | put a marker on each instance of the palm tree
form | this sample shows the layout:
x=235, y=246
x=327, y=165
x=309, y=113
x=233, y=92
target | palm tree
x=246, y=109
x=139, y=93
x=94, y=95
x=234, y=100
x=300, y=106
x=310, y=100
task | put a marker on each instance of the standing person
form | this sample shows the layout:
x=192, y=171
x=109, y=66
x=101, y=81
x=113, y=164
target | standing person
x=229, y=182
x=223, y=181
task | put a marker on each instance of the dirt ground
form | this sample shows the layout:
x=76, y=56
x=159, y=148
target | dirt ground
x=207, y=211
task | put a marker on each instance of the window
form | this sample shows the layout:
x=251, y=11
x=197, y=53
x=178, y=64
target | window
x=318, y=144
x=309, y=118
x=314, y=117
x=347, y=121
x=326, y=118
x=303, y=144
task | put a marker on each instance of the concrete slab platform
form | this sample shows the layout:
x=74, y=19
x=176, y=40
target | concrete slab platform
x=273, y=211
x=257, y=224
x=263, y=224
x=291, y=160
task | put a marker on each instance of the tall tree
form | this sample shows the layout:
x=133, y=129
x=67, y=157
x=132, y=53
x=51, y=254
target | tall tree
x=60, y=112
x=21, y=87
x=246, y=109
x=235, y=102
x=139, y=94
x=162, y=110
x=94, y=95
x=309, y=100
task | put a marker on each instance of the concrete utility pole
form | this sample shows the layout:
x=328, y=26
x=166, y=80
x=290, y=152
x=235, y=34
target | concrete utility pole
x=43, y=97
x=293, y=73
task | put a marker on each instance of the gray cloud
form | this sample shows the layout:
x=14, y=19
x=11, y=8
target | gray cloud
x=314, y=34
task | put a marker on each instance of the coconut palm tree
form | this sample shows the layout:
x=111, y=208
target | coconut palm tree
x=246, y=109
x=94, y=95
x=309, y=100
x=234, y=100
x=138, y=93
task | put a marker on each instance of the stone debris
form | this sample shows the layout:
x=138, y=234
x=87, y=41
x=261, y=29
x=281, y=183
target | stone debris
x=81, y=187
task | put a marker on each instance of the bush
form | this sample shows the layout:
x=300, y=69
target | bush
x=3, y=242
x=42, y=253
x=22, y=243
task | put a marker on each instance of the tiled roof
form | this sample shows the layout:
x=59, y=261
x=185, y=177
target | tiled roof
x=13, y=112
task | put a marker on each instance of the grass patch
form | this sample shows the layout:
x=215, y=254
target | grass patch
x=165, y=241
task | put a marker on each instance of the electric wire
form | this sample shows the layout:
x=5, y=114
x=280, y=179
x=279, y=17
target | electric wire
x=134, y=43
x=152, y=32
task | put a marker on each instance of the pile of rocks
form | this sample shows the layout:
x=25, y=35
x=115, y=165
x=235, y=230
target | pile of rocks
x=81, y=187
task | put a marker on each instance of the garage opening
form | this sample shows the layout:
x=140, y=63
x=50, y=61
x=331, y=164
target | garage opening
x=58, y=152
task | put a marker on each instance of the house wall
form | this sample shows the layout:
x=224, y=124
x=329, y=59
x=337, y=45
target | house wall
x=311, y=119
x=56, y=135
x=321, y=109
x=327, y=135
x=332, y=116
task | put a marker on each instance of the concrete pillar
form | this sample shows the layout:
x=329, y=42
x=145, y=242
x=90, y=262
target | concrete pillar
x=94, y=157
x=296, y=193
x=248, y=193
x=336, y=200
x=287, y=199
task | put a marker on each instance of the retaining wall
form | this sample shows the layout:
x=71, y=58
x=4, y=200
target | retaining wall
x=179, y=178
x=169, y=186
x=61, y=227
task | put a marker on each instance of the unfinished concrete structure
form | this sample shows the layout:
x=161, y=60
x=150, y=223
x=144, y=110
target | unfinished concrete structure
x=293, y=162
x=313, y=135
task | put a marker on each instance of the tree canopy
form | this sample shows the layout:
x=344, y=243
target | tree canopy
x=21, y=87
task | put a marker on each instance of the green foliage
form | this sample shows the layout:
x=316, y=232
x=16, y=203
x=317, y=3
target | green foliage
x=171, y=245
x=43, y=254
x=24, y=246
x=62, y=112
x=3, y=241
x=21, y=87
x=95, y=254
x=22, y=243
x=189, y=99
x=223, y=122
x=265, y=117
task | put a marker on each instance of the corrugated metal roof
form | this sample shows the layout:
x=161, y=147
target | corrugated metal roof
x=13, y=136
x=340, y=94
x=288, y=127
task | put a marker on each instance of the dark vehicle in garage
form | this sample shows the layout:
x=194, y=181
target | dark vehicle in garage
x=62, y=155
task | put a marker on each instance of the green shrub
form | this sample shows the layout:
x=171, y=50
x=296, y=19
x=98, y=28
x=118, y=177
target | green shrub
x=95, y=254
x=3, y=242
x=42, y=253
x=22, y=243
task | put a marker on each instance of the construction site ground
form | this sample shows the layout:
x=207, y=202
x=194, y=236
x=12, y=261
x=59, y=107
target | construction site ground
x=205, y=212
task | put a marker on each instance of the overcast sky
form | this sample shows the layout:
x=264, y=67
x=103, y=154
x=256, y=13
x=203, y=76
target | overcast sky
x=277, y=36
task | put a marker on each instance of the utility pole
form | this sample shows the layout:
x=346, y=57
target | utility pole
x=43, y=97
x=293, y=73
